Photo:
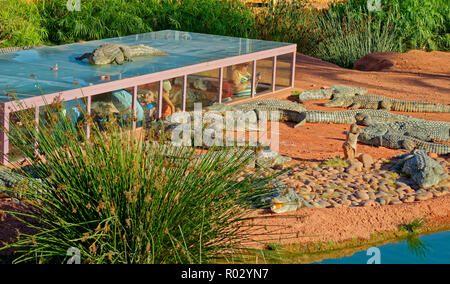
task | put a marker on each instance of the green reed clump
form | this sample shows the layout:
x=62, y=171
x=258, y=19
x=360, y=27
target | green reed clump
x=288, y=21
x=348, y=35
x=422, y=24
x=118, y=198
x=20, y=24
x=414, y=226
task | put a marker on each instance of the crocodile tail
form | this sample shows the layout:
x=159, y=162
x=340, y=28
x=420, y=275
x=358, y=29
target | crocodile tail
x=440, y=149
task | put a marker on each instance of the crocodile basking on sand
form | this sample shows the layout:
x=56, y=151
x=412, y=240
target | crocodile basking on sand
x=361, y=117
x=381, y=102
x=334, y=91
x=383, y=135
x=424, y=170
x=356, y=98
x=119, y=53
x=425, y=130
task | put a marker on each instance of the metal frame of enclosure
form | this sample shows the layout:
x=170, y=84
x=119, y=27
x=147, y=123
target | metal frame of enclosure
x=86, y=92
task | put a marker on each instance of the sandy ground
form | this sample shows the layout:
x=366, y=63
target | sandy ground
x=323, y=141
x=341, y=224
x=411, y=77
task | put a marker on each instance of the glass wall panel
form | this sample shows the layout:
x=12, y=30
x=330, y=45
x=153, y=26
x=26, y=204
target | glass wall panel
x=202, y=87
x=173, y=94
x=284, y=71
x=115, y=106
x=147, y=107
x=237, y=82
x=264, y=70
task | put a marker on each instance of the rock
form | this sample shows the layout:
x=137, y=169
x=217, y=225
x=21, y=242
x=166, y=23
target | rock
x=353, y=169
x=362, y=195
x=424, y=196
x=382, y=201
x=400, y=184
x=409, y=199
x=368, y=203
x=366, y=160
x=395, y=202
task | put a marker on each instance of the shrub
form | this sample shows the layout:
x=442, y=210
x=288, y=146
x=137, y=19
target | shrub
x=119, y=199
x=288, y=21
x=20, y=24
x=220, y=17
x=96, y=20
x=113, y=18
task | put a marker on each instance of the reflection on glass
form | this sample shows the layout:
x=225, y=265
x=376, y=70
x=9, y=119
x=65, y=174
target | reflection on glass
x=116, y=105
x=202, y=88
x=264, y=70
x=242, y=80
x=284, y=71
x=148, y=99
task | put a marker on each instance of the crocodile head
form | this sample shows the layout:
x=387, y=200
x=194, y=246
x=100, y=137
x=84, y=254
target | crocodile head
x=339, y=102
x=430, y=176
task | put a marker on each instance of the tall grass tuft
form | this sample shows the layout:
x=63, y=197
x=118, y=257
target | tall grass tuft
x=118, y=198
x=348, y=35
x=288, y=21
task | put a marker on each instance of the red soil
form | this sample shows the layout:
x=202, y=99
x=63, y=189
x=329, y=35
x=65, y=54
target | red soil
x=412, y=61
x=323, y=141
x=341, y=224
x=414, y=77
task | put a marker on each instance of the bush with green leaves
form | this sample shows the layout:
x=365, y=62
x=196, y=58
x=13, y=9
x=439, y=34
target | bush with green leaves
x=119, y=199
x=113, y=18
x=288, y=21
x=348, y=34
x=20, y=24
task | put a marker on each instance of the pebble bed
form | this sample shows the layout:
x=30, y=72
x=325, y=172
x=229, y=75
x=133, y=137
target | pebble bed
x=358, y=184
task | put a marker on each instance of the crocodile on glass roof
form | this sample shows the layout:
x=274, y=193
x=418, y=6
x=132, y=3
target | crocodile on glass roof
x=28, y=73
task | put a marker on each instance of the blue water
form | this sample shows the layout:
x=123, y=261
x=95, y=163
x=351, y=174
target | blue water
x=429, y=249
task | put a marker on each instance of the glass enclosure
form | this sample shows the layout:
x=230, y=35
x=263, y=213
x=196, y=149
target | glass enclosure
x=197, y=68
